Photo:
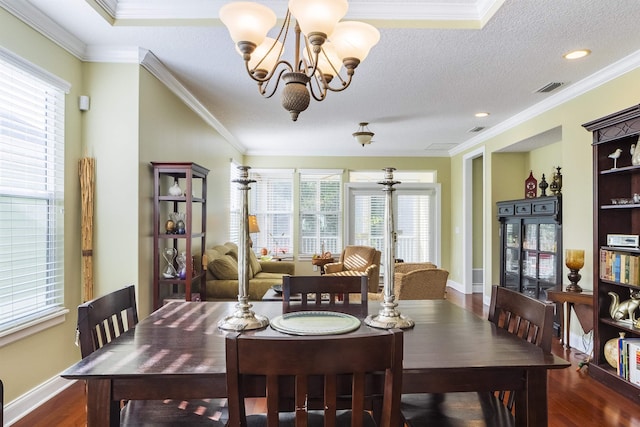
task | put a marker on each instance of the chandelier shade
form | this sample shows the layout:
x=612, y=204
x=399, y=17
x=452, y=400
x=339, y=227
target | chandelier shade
x=318, y=16
x=354, y=39
x=247, y=22
x=326, y=51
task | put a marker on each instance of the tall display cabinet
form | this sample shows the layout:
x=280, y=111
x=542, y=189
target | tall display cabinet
x=531, y=245
x=178, y=188
x=615, y=212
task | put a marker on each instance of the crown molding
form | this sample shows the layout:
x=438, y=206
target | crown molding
x=587, y=84
x=40, y=22
x=385, y=13
x=152, y=64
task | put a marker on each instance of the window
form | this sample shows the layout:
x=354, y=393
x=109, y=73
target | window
x=31, y=197
x=320, y=211
x=271, y=201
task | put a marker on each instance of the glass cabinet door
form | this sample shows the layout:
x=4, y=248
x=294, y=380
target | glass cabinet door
x=548, y=237
x=530, y=240
x=512, y=235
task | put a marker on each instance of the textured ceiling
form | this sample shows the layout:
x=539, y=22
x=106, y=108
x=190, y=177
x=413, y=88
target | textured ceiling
x=437, y=63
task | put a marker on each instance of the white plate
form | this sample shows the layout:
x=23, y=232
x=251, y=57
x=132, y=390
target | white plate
x=315, y=323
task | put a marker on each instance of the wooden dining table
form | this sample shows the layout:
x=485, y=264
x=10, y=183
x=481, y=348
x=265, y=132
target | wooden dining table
x=178, y=352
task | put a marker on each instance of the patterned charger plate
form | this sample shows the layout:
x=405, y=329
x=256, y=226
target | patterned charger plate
x=315, y=323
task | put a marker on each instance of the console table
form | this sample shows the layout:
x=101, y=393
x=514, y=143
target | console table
x=582, y=303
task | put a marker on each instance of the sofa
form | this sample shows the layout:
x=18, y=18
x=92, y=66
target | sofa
x=221, y=264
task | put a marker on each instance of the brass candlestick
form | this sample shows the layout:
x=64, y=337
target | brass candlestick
x=574, y=260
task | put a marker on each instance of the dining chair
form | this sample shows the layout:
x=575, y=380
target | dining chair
x=527, y=318
x=336, y=293
x=1, y=404
x=316, y=380
x=105, y=318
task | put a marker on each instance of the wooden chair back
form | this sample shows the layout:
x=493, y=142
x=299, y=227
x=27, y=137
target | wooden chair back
x=529, y=319
x=316, y=378
x=526, y=317
x=105, y=318
x=1, y=404
x=102, y=320
x=347, y=294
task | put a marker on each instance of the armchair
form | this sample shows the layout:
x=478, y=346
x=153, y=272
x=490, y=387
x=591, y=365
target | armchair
x=417, y=281
x=358, y=261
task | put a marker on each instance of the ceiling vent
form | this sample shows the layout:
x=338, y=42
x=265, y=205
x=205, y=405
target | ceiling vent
x=476, y=129
x=549, y=87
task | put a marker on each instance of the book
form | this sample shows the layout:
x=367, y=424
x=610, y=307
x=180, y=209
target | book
x=633, y=355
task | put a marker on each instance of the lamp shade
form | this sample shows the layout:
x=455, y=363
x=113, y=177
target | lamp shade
x=247, y=21
x=354, y=39
x=318, y=16
x=253, y=224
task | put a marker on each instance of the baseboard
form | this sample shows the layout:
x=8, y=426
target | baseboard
x=23, y=405
x=477, y=280
x=455, y=286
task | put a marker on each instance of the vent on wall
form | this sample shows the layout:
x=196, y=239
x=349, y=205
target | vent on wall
x=476, y=129
x=549, y=87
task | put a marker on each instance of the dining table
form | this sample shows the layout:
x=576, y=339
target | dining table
x=178, y=351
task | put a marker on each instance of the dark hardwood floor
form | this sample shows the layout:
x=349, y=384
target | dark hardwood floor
x=575, y=400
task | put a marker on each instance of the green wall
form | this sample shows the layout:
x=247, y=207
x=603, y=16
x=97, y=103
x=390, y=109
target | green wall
x=507, y=171
x=27, y=363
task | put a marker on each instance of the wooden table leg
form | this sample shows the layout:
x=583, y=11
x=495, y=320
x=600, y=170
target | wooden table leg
x=102, y=411
x=567, y=327
x=531, y=406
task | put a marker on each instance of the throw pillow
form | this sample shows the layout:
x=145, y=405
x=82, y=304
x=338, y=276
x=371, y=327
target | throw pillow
x=224, y=268
x=255, y=265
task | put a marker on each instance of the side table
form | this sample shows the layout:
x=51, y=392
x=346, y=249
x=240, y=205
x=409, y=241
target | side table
x=321, y=262
x=582, y=303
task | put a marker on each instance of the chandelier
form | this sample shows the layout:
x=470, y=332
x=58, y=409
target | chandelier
x=322, y=46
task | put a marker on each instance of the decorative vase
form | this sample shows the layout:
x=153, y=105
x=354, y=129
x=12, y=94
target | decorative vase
x=182, y=265
x=175, y=189
x=635, y=155
x=170, y=226
x=178, y=218
x=611, y=352
x=169, y=255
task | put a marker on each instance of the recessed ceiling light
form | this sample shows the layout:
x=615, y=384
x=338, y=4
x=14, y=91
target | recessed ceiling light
x=575, y=54
x=482, y=114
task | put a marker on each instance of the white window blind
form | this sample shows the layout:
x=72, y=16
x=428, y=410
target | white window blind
x=320, y=212
x=271, y=200
x=31, y=194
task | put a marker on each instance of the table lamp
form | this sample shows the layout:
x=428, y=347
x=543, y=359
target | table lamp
x=253, y=227
x=574, y=260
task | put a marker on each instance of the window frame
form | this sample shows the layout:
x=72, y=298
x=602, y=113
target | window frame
x=23, y=76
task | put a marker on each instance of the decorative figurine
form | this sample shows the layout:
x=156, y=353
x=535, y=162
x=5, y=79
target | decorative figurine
x=615, y=156
x=556, y=183
x=530, y=185
x=625, y=309
x=543, y=186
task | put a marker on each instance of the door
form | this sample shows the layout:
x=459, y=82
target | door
x=416, y=217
